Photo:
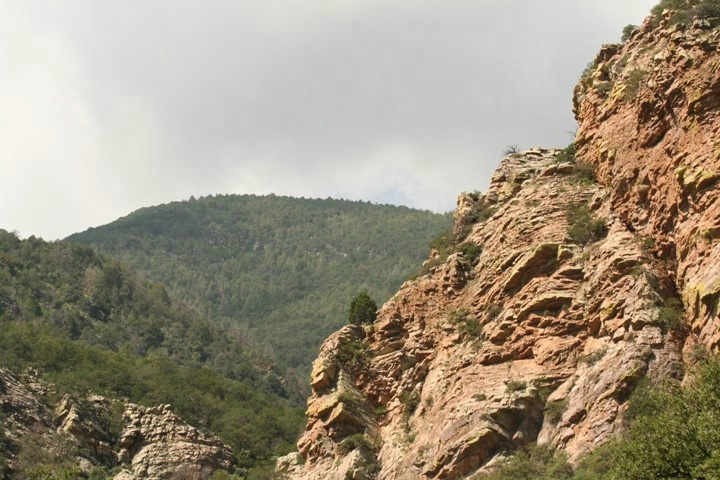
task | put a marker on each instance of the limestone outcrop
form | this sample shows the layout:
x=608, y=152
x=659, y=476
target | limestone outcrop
x=648, y=123
x=144, y=443
x=573, y=277
x=523, y=333
x=157, y=444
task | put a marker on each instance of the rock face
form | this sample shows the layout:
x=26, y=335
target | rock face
x=565, y=285
x=147, y=443
x=654, y=140
x=157, y=444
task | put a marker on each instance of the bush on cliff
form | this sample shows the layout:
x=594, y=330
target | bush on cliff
x=583, y=225
x=686, y=11
x=362, y=309
x=674, y=432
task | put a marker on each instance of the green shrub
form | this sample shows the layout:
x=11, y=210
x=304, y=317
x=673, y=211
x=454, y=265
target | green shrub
x=671, y=316
x=356, y=441
x=363, y=309
x=554, y=410
x=470, y=251
x=47, y=472
x=593, y=357
x=627, y=32
x=458, y=316
x=583, y=173
x=532, y=462
x=353, y=355
x=633, y=83
x=567, y=154
x=686, y=11
x=586, y=75
x=583, y=226
x=515, y=385
x=472, y=328
x=411, y=400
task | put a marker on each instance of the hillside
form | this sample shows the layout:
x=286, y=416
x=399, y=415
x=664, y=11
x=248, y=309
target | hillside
x=283, y=269
x=575, y=308
x=79, y=323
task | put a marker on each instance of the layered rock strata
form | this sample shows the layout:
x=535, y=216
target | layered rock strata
x=521, y=334
x=648, y=117
x=571, y=279
x=146, y=443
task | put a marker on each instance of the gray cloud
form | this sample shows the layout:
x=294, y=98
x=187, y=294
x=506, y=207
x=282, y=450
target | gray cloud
x=110, y=106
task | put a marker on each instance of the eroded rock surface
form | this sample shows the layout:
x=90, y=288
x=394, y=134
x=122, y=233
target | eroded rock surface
x=533, y=328
x=157, y=444
x=154, y=442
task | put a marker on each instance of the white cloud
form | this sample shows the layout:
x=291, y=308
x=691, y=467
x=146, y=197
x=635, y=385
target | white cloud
x=110, y=106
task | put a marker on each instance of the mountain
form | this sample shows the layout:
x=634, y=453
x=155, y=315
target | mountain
x=75, y=324
x=574, y=306
x=281, y=270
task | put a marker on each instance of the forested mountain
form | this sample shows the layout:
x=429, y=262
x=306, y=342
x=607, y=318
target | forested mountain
x=284, y=269
x=89, y=323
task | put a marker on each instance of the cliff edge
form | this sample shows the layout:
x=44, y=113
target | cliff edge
x=573, y=277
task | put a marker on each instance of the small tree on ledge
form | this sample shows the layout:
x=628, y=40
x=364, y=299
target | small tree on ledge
x=362, y=309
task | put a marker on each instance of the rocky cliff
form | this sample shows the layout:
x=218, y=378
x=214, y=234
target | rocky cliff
x=84, y=434
x=573, y=277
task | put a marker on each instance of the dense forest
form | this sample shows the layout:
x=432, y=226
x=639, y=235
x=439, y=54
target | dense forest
x=281, y=270
x=89, y=323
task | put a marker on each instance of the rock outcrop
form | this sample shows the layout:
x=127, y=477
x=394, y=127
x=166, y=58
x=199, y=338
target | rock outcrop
x=648, y=118
x=146, y=443
x=157, y=444
x=569, y=280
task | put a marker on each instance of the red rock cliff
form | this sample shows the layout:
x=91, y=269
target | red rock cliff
x=559, y=293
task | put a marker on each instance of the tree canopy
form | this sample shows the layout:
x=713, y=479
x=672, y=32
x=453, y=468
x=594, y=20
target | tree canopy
x=362, y=309
x=279, y=269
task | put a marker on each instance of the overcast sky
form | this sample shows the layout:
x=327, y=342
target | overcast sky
x=107, y=106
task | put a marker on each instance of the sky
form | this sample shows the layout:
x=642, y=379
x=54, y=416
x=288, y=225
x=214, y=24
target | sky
x=109, y=106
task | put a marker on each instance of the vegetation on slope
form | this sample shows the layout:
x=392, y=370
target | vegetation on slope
x=90, y=324
x=687, y=10
x=283, y=269
x=674, y=432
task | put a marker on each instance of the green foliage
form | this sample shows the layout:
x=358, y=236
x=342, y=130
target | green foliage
x=676, y=432
x=533, y=462
x=633, y=83
x=627, y=32
x=363, y=309
x=582, y=172
x=671, y=316
x=277, y=271
x=91, y=324
x=586, y=75
x=46, y=472
x=583, y=226
x=356, y=441
x=456, y=316
x=411, y=400
x=687, y=10
x=353, y=355
x=593, y=357
x=515, y=385
x=554, y=410
x=472, y=328
x=567, y=154
x=470, y=251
